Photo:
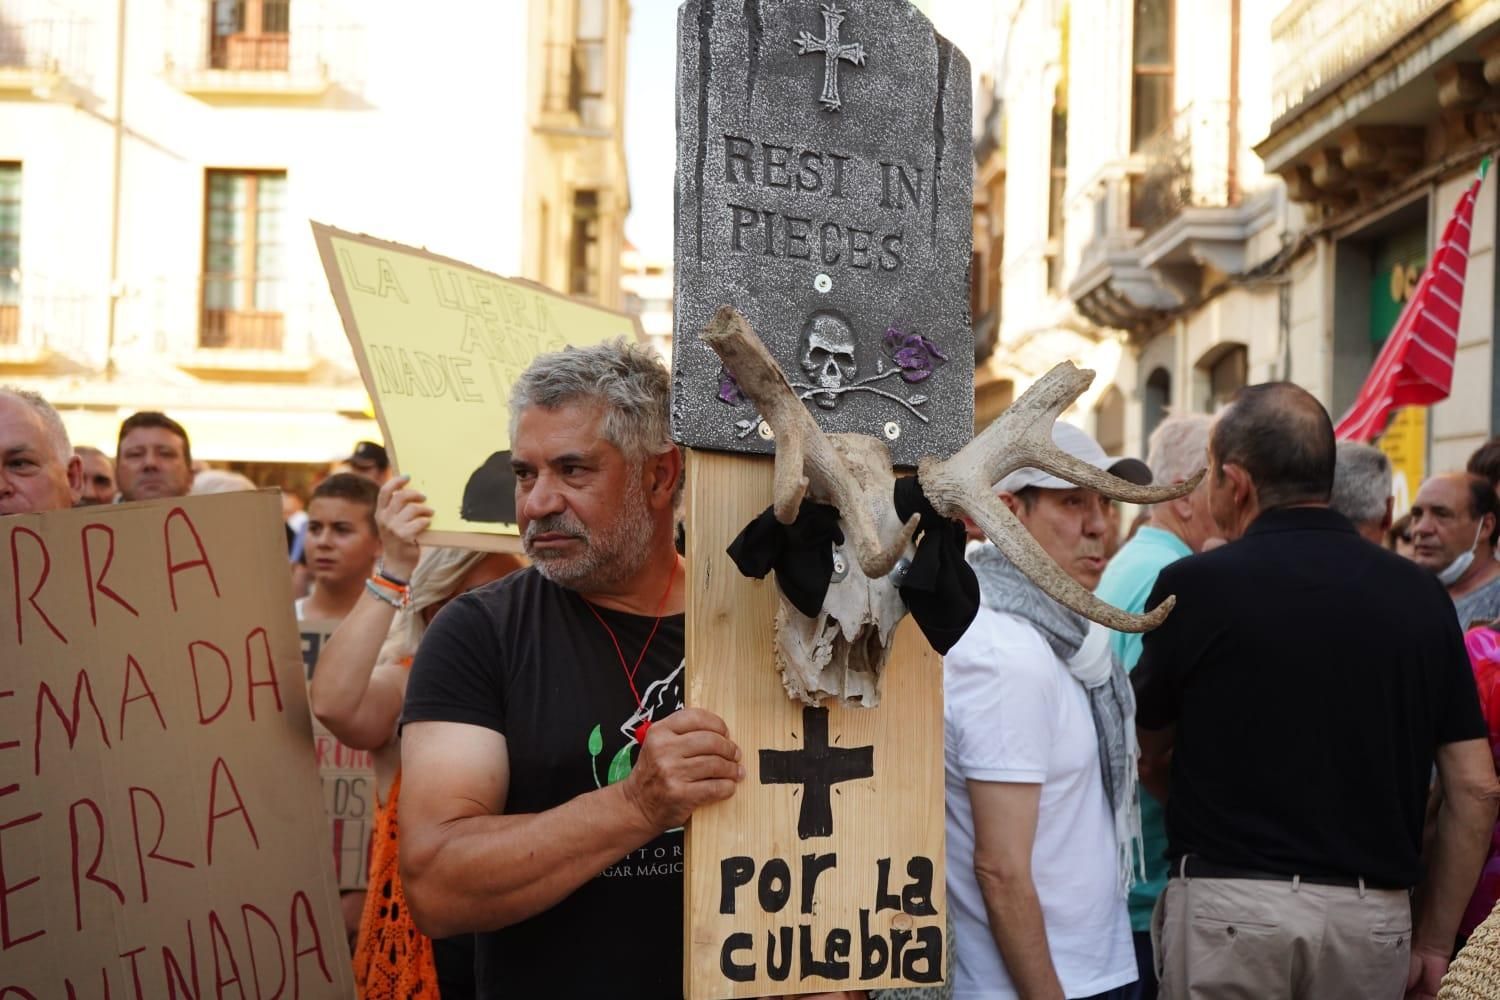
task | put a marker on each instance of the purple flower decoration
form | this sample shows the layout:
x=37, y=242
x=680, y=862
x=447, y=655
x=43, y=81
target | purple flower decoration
x=913, y=353
x=729, y=389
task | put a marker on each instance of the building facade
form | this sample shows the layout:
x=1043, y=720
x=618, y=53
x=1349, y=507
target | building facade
x=160, y=162
x=1201, y=194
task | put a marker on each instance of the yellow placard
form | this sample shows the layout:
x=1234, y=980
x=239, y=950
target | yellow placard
x=439, y=344
x=1405, y=444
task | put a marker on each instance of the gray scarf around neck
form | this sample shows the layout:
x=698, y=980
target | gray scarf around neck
x=1005, y=589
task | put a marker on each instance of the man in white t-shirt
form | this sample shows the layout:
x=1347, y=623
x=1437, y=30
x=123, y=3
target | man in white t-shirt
x=1040, y=762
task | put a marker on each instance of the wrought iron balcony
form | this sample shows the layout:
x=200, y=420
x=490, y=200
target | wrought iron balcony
x=266, y=47
x=40, y=318
x=577, y=81
x=1185, y=165
x=40, y=44
x=1315, y=44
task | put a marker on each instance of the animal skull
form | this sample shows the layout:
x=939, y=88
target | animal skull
x=828, y=355
x=841, y=651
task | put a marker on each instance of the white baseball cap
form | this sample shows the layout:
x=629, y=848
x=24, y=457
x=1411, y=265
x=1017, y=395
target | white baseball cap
x=1083, y=447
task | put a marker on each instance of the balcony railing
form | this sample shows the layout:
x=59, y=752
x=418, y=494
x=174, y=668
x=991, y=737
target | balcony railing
x=1185, y=165
x=39, y=317
x=260, y=46
x=41, y=37
x=241, y=312
x=1316, y=43
x=576, y=80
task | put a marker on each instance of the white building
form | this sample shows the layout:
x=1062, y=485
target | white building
x=160, y=160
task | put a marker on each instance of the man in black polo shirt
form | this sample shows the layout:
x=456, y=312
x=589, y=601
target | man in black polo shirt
x=1300, y=693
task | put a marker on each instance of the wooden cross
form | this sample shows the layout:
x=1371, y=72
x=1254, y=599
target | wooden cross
x=817, y=767
x=833, y=50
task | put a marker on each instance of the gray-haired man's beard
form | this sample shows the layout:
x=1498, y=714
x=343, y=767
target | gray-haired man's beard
x=609, y=556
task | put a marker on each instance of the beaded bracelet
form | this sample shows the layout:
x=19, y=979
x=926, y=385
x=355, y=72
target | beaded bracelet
x=397, y=597
x=388, y=578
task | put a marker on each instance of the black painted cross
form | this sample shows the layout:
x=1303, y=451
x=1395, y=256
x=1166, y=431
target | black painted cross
x=817, y=767
x=833, y=50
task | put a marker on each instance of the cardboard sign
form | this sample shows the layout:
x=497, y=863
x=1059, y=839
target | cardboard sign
x=348, y=780
x=439, y=344
x=159, y=825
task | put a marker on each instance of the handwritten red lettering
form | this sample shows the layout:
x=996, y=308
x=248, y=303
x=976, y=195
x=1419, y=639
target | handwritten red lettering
x=161, y=832
x=15, y=567
x=174, y=567
x=81, y=686
x=9, y=745
x=135, y=971
x=103, y=985
x=8, y=888
x=97, y=584
x=16, y=991
x=218, y=937
x=193, y=648
x=270, y=662
x=246, y=909
x=213, y=799
x=171, y=971
x=93, y=873
x=134, y=668
x=317, y=943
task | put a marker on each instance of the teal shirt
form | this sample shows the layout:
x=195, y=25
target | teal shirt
x=1126, y=584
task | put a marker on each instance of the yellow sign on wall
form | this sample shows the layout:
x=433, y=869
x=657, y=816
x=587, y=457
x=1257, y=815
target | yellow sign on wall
x=1405, y=444
x=439, y=343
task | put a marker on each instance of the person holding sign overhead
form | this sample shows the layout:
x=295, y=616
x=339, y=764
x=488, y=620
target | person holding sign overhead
x=38, y=470
x=356, y=693
x=548, y=762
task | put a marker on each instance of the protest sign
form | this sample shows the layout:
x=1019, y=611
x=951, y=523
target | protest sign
x=159, y=825
x=348, y=777
x=823, y=191
x=439, y=344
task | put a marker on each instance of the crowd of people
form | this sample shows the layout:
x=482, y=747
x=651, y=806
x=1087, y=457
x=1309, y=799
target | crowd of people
x=1288, y=789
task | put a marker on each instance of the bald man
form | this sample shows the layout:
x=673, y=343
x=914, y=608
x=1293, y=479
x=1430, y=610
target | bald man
x=38, y=470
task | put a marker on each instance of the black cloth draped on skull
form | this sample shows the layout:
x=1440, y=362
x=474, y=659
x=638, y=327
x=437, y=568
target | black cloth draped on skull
x=939, y=588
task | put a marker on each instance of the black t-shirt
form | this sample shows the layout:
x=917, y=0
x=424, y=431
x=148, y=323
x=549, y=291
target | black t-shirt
x=1311, y=676
x=526, y=658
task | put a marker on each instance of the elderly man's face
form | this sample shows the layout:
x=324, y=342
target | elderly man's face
x=1070, y=526
x=98, y=478
x=580, y=504
x=33, y=476
x=1442, y=522
x=153, y=464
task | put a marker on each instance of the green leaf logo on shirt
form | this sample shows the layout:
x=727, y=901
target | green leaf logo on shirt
x=619, y=768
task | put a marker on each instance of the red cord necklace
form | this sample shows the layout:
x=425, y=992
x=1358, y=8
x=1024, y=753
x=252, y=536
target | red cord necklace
x=630, y=672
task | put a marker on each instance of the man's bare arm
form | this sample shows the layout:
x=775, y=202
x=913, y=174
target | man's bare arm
x=1005, y=818
x=466, y=868
x=1465, y=821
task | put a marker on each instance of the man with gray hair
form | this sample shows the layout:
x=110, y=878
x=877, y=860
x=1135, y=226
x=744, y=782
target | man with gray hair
x=1178, y=449
x=1362, y=489
x=38, y=470
x=548, y=764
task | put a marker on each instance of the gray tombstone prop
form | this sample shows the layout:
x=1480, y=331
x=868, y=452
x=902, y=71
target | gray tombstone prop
x=824, y=174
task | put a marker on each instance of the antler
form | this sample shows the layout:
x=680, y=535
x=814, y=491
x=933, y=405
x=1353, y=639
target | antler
x=1022, y=437
x=805, y=457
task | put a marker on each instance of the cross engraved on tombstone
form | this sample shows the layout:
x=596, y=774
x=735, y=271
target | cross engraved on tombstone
x=833, y=50
x=817, y=767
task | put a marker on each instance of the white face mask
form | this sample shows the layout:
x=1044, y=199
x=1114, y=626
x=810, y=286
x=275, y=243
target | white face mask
x=1451, y=573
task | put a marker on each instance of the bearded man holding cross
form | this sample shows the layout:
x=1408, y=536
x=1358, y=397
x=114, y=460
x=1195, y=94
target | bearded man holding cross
x=549, y=765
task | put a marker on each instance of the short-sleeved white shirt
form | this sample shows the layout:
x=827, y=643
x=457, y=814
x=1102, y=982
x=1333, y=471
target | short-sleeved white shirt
x=1014, y=713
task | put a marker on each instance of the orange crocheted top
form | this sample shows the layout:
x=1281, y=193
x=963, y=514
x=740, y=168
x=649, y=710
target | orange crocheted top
x=392, y=959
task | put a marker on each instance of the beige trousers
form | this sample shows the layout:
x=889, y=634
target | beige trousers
x=1244, y=939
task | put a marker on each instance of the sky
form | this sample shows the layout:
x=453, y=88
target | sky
x=651, y=124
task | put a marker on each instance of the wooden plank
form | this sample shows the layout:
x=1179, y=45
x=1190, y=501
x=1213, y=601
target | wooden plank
x=896, y=815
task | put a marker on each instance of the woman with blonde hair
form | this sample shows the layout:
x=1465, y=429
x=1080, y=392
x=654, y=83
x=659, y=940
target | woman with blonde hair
x=357, y=689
